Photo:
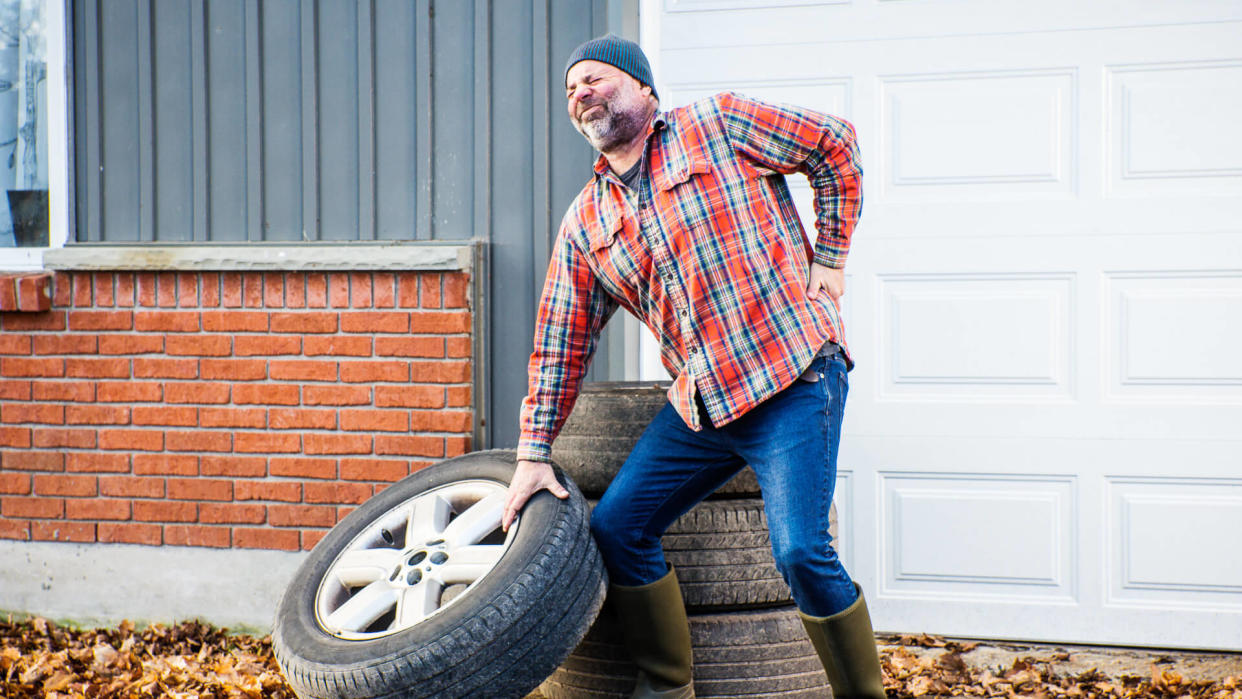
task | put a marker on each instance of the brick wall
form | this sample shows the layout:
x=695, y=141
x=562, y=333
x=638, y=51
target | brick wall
x=229, y=409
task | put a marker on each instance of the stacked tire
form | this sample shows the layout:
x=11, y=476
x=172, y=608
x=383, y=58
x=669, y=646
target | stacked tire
x=746, y=635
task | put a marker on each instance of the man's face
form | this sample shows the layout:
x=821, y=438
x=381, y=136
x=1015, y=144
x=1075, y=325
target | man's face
x=605, y=104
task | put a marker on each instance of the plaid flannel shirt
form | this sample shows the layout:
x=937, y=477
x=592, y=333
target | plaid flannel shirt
x=710, y=254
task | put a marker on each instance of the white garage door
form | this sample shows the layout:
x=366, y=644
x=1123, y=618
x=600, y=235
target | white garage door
x=1044, y=298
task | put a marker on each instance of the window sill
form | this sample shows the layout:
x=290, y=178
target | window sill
x=403, y=256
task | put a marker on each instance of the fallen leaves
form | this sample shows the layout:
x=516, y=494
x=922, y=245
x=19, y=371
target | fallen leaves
x=911, y=674
x=41, y=659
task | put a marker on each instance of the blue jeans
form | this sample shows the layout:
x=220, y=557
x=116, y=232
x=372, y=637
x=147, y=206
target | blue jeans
x=790, y=440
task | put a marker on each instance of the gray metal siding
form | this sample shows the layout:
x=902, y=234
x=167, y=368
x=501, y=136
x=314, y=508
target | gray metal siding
x=310, y=120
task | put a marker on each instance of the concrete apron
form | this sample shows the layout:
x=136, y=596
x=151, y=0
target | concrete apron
x=103, y=584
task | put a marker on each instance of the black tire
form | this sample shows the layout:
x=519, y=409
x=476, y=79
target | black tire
x=762, y=653
x=603, y=428
x=500, y=638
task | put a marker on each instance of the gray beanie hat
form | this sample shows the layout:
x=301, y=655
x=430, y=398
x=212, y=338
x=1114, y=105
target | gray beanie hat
x=622, y=54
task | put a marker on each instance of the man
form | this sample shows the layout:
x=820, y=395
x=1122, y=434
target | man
x=689, y=225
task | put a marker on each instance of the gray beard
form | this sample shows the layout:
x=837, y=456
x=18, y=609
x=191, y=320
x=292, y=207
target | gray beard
x=614, y=128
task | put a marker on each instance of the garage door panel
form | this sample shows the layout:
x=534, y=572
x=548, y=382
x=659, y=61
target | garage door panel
x=1001, y=535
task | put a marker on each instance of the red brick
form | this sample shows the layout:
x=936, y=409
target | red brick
x=165, y=465
x=131, y=487
x=33, y=508
x=235, y=321
x=374, y=421
x=199, y=345
x=456, y=290
x=409, y=445
x=18, y=322
x=14, y=529
x=274, y=289
x=44, y=413
x=176, y=416
x=277, y=491
x=265, y=394
x=101, y=320
x=81, y=288
x=252, y=289
x=71, y=391
x=360, y=289
x=233, y=369
x=390, y=470
x=96, y=415
x=456, y=446
x=440, y=322
x=441, y=372
x=459, y=346
x=384, y=291
x=164, y=511
x=457, y=396
x=278, y=539
x=199, y=440
x=96, y=462
x=13, y=389
x=117, y=368
x=187, y=289
x=337, y=493
x=338, y=346
x=65, y=344
x=197, y=392
x=304, y=370
x=301, y=419
x=234, y=466
x=375, y=322
x=165, y=321
x=131, y=344
x=34, y=293
x=15, y=437
x=407, y=289
x=62, y=288
x=231, y=513
x=266, y=345
x=311, y=538
x=316, y=290
x=366, y=372
x=130, y=533
x=337, y=444
x=199, y=489
x=22, y=366
x=15, y=483
x=167, y=294
x=338, y=289
x=63, y=485
x=129, y=392
x=145, y=284
x=32, y=461
x=159, y=368
x=74, y=439
x=301, y=515
x=211, y=289
x=336, y=395
x=304, y=468
x=231, y=293
x=304, y=322
x=430, y=291
x=17, y=344
x=133, y=440
x=125, y=289
x=232, y=417
x=441, y=421
x=267, y=442
x=79, y=532
x=409, y=346
x=97, y=509
x=192, y=535
x=295, y=290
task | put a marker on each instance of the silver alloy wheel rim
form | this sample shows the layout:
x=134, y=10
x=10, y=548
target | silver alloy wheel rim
x=414, y=561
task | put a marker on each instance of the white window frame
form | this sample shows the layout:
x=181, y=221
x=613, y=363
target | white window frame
x=59, y=137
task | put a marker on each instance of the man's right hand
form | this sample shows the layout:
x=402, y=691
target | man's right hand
x=529, y=478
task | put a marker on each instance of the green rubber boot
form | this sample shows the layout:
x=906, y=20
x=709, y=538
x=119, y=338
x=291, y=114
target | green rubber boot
x=656, y=634
x=845, y=643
